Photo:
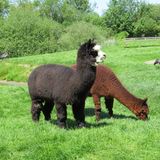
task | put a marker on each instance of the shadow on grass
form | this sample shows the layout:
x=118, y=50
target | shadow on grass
x=71, y=124
x=90, y=112
x=157, y=66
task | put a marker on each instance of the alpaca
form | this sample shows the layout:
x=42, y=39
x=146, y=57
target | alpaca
x=107, y=85
x=60, y=85
x=157, y=61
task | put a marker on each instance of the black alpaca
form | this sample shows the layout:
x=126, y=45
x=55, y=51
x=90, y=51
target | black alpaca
x=157, y=61
x=56, y=84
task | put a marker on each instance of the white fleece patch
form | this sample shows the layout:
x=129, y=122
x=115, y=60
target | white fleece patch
x=97, y=47
x=101, y=55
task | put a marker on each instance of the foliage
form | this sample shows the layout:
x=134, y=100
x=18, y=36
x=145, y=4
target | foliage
x=4, y=6
x=94, y=18
x=148, y=21
x=24, y=32
x=146, y=26
x=155, y=12
x=121, y=15
x=83, y=6
x=42, y=26
x=122, y=35
x=135, y=17
x=78, y=32
x=51, y=9
x=63, y=11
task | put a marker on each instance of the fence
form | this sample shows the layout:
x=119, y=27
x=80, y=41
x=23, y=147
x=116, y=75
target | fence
x=142, y=42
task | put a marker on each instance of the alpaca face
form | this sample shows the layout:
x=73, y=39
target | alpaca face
x=142, y=113
x=100, y=54
x=91, y=53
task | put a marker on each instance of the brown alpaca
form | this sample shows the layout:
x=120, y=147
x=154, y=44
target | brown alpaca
x=107, y=85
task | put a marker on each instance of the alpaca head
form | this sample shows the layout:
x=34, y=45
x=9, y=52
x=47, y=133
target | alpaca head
x=91, y=53
x=142, y=111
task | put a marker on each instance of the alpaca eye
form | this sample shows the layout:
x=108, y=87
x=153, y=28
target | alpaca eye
x=143, y=111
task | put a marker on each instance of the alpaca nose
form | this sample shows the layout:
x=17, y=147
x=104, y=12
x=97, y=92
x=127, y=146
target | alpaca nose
x=103, y=56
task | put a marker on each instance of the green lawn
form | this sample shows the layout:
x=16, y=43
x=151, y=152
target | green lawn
x=123, y=137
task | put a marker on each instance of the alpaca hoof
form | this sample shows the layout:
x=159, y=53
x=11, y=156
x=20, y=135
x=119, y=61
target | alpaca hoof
x=62, y=125
x=97, y=119
x=35, y=119
x=110, y=116
x=81, y=125
x=98, y=116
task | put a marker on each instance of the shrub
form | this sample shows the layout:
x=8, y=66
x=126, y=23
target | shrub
x=78, y=32
x=122, y=35
x=146, y=26
x=24, y=32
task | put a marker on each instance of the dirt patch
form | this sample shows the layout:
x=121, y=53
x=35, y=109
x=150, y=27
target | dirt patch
x=12, y=83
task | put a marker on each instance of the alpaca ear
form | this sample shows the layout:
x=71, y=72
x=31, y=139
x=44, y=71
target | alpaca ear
x=93, y=40
x=89, y=41
x=145, y=101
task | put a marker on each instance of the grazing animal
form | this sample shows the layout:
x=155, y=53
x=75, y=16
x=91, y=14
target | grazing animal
x=60, y=85
x=3, y=55
x=157, y=61
x=107, y=85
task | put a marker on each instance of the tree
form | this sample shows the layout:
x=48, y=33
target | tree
x=63, y=11
x=146, y=26
x=50, y=8
x=94, y=18
x=25, y=32
x=4, y=5
x=80, y=5
x=148, y=20
x=121, y=15
x=155, y=12
x=78, y=32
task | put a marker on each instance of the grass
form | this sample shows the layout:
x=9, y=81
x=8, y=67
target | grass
x=122, y=137
x=142, y=43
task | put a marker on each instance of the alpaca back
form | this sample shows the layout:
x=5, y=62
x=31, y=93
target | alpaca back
x=108, y=84
x=59, y=83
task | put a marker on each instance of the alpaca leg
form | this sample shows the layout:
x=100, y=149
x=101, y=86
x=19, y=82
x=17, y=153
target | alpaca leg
x=79, y=115
x=61, y=114
x=47, y=109
x=97, y=103
x=109, y=105
x=36, y=109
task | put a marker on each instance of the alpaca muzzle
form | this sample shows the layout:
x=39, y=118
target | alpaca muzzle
x=142, y=116
x=101, y=57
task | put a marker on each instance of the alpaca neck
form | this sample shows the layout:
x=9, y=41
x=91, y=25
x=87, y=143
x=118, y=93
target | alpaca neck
x=86, y=72
x=83, y=66
x=125, y=97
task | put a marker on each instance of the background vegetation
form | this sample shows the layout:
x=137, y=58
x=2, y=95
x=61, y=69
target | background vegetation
x=45, y=26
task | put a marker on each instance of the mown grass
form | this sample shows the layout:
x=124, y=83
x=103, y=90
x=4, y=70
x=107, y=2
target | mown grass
x=142, y=43
x=122, y=137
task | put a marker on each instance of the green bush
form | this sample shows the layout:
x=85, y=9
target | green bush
x=146, y=26
x=24, y=32
x=122, y=35
x=79, y=32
